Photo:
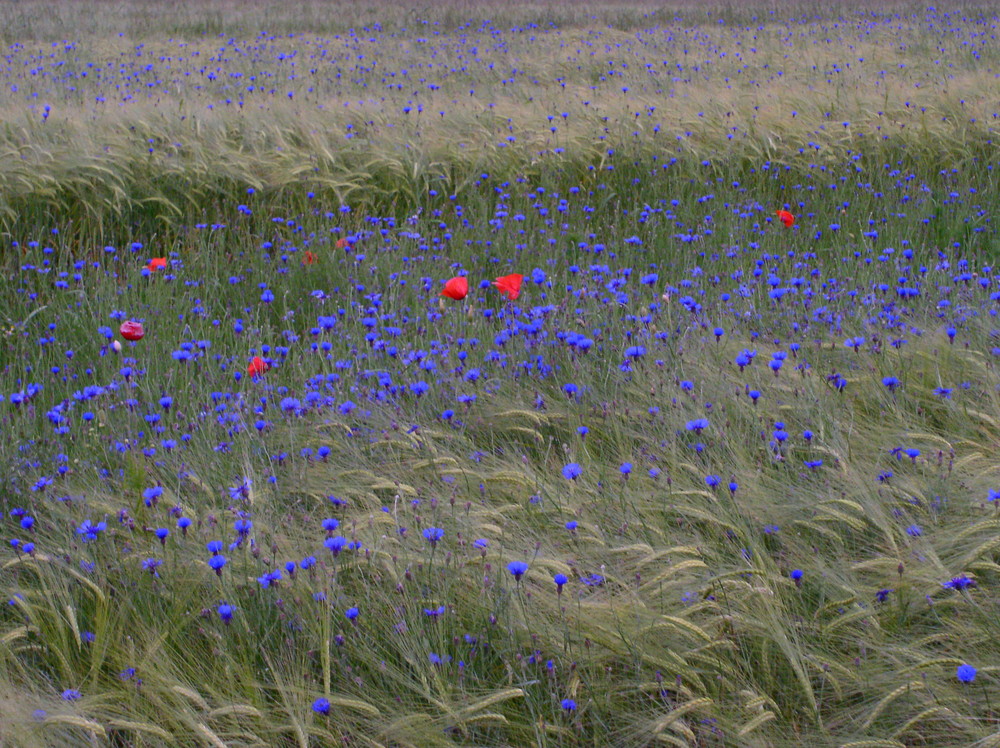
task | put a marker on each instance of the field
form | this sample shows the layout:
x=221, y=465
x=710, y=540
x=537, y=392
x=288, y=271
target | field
x=488, y=374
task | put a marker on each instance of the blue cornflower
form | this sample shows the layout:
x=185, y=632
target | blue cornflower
x=517, y=569
x=966, y=673
x=335, y=544
x=270, y=579
x=960, y=582
x=90, y=531
x=625, y=469
x=433, y=535
x=572, y=471
x=225, y=612
x=697, y=425
x=321, y=706
x=352, y=613
x=330, y=524
x=151, y=495
x=560, y=580
x=568, y=704
x=915, y=531
x=71, y=694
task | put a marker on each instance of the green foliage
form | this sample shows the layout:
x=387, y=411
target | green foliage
x=679, y=623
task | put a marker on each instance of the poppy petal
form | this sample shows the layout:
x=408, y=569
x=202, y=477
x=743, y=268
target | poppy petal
x=456, y=288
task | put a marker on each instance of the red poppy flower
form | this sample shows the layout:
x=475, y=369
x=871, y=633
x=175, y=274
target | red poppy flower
x=786, y=218
x=257, y=366
x=343, y=243
x=456, y=288
x=156, y=263
x=131, y=330
x=509, y=285
x=309, y=258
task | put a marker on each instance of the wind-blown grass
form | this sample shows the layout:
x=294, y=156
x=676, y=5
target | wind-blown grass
x=158, y=133
x=748, y=467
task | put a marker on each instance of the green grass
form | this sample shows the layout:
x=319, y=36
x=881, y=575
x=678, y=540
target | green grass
x=159, y=151
x=680, y=623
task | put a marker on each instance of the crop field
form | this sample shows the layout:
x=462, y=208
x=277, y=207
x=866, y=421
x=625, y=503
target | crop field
x=499, y=374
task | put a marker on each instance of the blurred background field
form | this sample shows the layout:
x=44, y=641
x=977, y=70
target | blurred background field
x=709, y=480
x=159, y=117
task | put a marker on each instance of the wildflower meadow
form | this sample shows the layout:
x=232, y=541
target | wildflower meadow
x=499, y=374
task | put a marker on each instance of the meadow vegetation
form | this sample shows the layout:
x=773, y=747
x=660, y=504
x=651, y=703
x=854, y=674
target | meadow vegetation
x=714, y=476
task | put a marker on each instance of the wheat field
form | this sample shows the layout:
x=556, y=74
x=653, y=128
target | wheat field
x=486, y=374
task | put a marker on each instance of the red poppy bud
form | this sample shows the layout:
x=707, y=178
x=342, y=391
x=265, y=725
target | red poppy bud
x=257, y=366
x=131, y=330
